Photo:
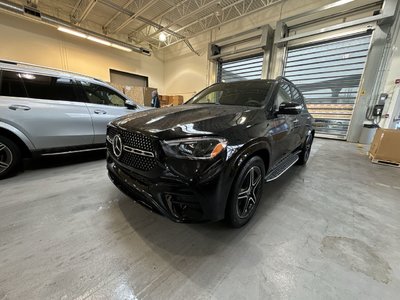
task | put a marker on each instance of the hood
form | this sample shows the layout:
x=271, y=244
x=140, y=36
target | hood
x=187, y=120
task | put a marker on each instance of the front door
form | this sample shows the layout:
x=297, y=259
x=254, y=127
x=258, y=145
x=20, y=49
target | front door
x=105, y=105
x=283, y=126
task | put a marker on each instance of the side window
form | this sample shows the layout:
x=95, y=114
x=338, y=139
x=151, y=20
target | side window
x=284, y=95
x=12, y=85
x=296, y=96
x=98, y=94
x=48, y=87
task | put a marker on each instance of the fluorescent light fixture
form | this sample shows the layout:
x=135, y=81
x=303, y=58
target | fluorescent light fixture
x=162, y=37
x=27, y=76
x=339, y=3
x=97, y=40
x=93, y=39
x=116, y=46
x=73, y=32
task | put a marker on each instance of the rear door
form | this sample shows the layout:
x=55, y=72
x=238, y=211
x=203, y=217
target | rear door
x=105, y=105
x=45, y=109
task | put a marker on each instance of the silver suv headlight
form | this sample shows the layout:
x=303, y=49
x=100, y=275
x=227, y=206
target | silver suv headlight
x=195, y=148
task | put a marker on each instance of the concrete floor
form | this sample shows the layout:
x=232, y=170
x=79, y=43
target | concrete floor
x=330, y=230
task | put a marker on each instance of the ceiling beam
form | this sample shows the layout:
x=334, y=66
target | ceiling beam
x=159, y=17
x=107, y=24
x=78, y=18
x=201, y=5
x=212, y=21
x=134, y=16
x=140, y=18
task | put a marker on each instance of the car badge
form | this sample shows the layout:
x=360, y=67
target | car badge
x=117, y=146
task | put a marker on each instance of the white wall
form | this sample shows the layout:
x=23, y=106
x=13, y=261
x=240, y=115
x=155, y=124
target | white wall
x=31, y=42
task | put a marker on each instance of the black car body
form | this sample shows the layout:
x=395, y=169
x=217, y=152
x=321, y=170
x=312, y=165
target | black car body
x=185, y=161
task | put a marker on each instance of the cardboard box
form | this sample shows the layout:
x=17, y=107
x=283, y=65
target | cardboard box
x=176, y=100
x=141, y=95
x=386, y=145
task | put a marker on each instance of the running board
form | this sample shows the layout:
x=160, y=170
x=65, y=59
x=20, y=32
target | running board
x=282, y=167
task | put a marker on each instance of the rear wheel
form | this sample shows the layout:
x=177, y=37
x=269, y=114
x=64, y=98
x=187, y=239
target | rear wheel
x=10, y=157
x=305, y=152
x=246, y=192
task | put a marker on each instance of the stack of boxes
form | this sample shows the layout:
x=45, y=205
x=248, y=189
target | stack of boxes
x=142, y=95
x=170, y=100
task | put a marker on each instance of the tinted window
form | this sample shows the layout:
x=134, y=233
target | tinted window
x=284, y=95
x=98, y=94
x=48, y=87
x=250, y=93
x=12, y=85
x=296, y=96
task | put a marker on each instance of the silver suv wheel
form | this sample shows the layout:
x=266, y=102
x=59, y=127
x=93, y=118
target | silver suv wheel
x=10, y=157
x=6, y=158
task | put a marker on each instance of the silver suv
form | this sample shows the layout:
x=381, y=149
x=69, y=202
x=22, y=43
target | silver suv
x=48, y=112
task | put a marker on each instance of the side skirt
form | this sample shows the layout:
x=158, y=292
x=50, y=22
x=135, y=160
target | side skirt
x=282, y=167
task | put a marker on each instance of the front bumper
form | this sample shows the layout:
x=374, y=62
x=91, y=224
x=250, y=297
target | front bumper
x=178, y=200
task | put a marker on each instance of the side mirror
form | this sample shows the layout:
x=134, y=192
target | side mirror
x=130, y=104
x=290, y=108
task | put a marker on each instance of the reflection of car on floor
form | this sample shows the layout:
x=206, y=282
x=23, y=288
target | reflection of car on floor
x=207, y=159
x=48, y=112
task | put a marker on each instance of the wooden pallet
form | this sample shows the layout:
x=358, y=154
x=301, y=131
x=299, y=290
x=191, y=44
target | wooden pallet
x=384, y=162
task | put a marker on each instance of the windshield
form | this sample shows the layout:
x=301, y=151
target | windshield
x=247, y=93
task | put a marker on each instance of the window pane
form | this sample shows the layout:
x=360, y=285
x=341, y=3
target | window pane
x=12, y=85
x=47, y=87
x=98, y=94
x=283, y=95
x=296, y=96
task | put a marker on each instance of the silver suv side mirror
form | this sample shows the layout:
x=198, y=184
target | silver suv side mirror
x=130, y=104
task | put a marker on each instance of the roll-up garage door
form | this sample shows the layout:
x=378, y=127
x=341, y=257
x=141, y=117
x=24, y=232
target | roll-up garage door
x=240, y=69
x=329, y=76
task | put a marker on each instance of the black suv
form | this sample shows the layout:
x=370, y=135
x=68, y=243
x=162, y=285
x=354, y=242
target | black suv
x=207, y=160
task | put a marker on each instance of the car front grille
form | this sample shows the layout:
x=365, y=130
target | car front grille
x=143, y=157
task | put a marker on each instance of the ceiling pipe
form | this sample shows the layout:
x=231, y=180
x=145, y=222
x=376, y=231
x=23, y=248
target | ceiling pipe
x=43, y=18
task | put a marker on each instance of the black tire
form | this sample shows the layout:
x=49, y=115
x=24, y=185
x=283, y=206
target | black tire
x=305, y=151
x=10, y=157
x=246, y=192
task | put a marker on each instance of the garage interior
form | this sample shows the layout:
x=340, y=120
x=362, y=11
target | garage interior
x=328, y=230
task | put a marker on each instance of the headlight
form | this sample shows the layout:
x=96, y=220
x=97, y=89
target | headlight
x=195, y=148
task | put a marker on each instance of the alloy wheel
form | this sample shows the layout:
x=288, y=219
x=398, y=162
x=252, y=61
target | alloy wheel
x=6, y=157
x=249, y=192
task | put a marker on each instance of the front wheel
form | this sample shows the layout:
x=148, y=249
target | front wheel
x=10, y=157
x=306, y=150
x=246, y=192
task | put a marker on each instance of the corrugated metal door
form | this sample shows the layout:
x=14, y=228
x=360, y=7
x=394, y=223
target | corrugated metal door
x=240, y=69
x=329, y=74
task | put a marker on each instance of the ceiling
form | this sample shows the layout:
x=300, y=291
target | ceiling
x=140, y=22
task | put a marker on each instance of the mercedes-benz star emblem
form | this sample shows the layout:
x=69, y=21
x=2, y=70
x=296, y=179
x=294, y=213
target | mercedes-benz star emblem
x=117, y=146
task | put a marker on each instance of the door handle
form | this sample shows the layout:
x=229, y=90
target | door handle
x=100, y=112
x=17, y=106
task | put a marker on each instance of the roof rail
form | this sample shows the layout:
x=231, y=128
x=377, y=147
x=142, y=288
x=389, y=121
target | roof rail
x=16, y=63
